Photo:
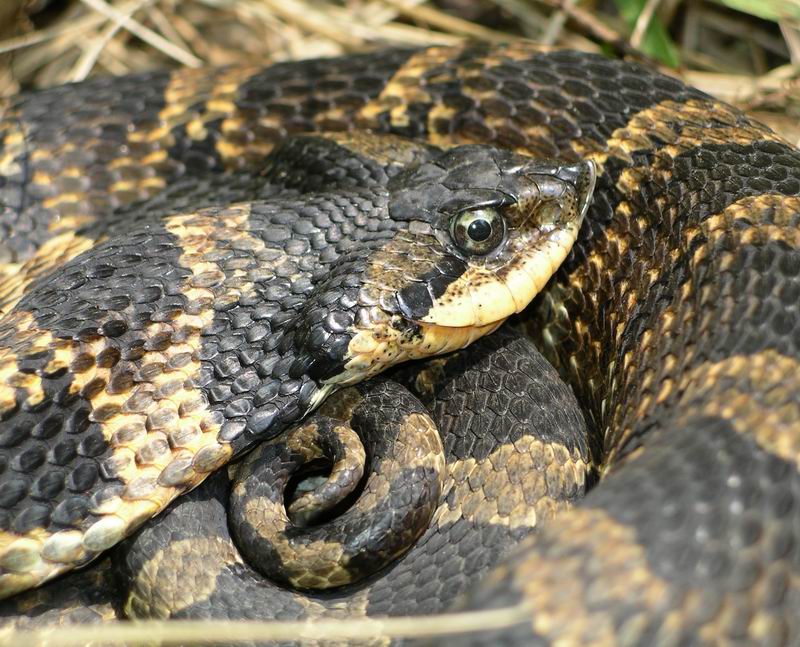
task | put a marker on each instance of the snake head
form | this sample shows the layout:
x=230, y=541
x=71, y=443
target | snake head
x=479, y=233
x=494, y=228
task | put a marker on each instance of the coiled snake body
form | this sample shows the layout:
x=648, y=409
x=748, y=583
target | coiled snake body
x=674, y=319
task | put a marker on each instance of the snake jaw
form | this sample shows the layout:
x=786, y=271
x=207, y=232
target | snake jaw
x=390, y=342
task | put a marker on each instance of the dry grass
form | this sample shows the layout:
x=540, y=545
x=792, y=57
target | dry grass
x=744, y=51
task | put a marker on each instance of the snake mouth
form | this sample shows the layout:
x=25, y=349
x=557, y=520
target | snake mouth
x=485, y=296
x=374, y=349
x=439, y=340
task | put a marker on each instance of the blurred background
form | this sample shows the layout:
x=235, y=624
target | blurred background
x=743, y=51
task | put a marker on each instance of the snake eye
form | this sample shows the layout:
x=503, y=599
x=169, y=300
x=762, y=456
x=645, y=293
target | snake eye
x=478, y=232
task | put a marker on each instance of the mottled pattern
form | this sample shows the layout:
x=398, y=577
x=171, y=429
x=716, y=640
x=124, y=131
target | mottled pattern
x=674, y=320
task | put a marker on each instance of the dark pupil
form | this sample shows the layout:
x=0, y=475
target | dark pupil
x=479, y=230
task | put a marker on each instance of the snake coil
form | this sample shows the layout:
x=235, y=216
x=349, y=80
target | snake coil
x=674, y=320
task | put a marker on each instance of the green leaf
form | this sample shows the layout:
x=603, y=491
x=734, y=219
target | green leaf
x=656, y=42
x=767, y=9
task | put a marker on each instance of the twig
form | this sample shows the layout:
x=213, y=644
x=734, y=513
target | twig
x=190, y=34
x=396, y=32
x=448, y=23
x=791, y=34
x=740, y=88
x=204, y=631
x=92, y=52
x=48, y=53
x=76, y=26
x=311, y=20
x=555, y=26
x=166, y=28
x=592, y=27
x=144, y=33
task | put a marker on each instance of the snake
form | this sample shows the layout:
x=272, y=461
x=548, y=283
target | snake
x=673, y=318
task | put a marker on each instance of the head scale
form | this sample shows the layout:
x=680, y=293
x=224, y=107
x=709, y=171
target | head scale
x=482, y=231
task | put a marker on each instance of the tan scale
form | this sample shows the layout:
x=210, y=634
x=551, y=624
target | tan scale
x=192, y=99
x=384, y=149
x=649, y=125
x=195, y=98
x=636, y=137
x=769, y=217
x=12, y=138
x=725, y=390
x=210, y=554
x=403, y=89
x=554, y=589
x=51, y=255
x=553, y=586
x=85, y=594
x=504, y=133
x=207, y=557
x=75, y=209
x=323, y=564
x=349, y=469
x=514, y=486
x=179, y=449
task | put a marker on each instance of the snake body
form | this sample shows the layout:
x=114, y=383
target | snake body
x=182, y=340
x=674, y=319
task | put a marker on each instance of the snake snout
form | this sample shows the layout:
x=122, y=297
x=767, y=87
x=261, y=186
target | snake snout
x=582, y=176
x=560, y=194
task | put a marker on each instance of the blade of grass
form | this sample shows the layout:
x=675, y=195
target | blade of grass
x=205, y=632
x=655, y=41
x=774, y=10
x=643, y=22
